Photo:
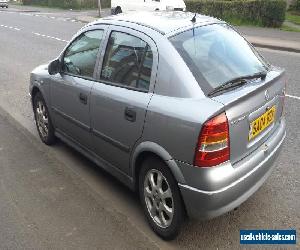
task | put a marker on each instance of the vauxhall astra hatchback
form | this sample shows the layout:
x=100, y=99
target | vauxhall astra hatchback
x=177, y=106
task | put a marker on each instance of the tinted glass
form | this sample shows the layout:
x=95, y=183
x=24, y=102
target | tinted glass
x=217, y=54
x=128, y=61
x=80, y=57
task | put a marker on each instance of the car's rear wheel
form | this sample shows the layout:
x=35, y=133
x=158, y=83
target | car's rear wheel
x=160, y=198
x=43, y=120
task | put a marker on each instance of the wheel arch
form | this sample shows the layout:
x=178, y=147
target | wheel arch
x=34, y=91
x=151, y=149
x=40, y=86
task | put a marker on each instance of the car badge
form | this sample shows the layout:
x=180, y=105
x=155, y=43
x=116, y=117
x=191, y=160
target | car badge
x=267, y=95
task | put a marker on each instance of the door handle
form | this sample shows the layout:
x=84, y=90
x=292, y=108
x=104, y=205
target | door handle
x=83, y=98
x=130, y=114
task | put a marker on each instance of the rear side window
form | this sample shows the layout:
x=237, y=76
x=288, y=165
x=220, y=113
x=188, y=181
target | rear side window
x=128, y=61
x=80, y=57
x=217, y=54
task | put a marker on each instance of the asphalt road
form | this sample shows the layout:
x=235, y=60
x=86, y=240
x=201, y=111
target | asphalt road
x=55, y=198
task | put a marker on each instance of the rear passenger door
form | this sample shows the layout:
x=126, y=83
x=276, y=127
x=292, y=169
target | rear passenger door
x=121, y=96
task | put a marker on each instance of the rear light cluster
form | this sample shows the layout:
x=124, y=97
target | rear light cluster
x=213, y=146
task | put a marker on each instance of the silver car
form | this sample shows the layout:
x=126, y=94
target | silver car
x=4, y=3
x=177, y=106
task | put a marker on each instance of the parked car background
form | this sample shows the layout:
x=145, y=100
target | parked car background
x=119, y=6
x=4, y=3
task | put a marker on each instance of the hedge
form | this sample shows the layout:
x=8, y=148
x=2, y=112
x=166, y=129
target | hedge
x=69, y=4
x=297, y=5
x=269, y=13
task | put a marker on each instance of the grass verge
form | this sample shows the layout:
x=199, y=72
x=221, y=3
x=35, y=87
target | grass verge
x=293, y=17
x=289, y=28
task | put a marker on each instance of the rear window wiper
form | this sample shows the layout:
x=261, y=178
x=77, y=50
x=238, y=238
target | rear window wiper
x=237, y=82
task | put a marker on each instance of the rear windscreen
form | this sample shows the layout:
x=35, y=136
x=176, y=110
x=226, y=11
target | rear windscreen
x=216, y=54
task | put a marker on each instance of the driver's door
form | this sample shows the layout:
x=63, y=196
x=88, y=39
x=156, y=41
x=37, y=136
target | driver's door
x=70, y=90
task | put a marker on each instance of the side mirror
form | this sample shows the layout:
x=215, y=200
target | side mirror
x=54, y=67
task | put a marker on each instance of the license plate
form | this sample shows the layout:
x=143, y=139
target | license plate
x=262, y=122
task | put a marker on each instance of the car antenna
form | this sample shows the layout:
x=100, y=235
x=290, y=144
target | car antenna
x=194, y=18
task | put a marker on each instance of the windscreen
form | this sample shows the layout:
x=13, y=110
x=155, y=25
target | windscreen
x=217, y=54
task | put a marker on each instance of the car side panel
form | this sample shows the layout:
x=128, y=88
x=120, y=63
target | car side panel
x=114, y=136
x=175, y=123
x=70, y=114
x=39, y=78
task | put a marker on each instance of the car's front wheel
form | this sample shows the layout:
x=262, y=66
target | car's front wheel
x=43, y=120
x=118, y=10
x=160, y=198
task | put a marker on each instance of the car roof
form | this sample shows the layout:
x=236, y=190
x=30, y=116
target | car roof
x=162, y=21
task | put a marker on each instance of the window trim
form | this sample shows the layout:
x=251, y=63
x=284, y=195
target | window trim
x=140, y=66
x=62, y=56
x=144, y=37
x=206, y=88
x=121, y=86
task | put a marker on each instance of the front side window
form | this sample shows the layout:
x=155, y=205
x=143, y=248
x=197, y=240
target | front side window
x=217, y=54
x=80, y=57
x=128, y=61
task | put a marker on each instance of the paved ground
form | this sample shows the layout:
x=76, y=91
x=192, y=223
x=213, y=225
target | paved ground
x=57, y=194
x=270, y=33
x=45, y=206
x=272, y=38
x=261, y=37
x=56, y=11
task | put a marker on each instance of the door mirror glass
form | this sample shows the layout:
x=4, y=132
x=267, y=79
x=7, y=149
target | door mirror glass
x=54, y=67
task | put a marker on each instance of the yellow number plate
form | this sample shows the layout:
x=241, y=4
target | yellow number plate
x=262, y=122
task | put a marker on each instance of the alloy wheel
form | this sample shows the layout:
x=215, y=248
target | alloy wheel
x=158, y=198
x=42, y=119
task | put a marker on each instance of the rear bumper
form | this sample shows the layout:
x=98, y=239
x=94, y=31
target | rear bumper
x=225, y=187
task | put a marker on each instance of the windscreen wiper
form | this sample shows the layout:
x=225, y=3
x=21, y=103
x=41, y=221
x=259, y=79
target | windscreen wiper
x=237, y=82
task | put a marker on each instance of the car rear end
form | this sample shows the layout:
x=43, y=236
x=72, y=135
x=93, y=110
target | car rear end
x=230, y=164
x=238, y=144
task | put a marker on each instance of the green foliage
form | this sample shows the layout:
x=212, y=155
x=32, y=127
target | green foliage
x=297, y=5
x=69, y=4
x=289, y=28
x=270, y=13
x=293, y=17
x=273, y=12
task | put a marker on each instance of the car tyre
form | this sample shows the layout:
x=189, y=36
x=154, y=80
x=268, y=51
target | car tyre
x=118, y=10
x=160, y=198
x=43, y=120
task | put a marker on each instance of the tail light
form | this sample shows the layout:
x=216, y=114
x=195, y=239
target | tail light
x=213, y=146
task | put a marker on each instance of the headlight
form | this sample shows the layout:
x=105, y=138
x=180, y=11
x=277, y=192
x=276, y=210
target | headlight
x=170, y=8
